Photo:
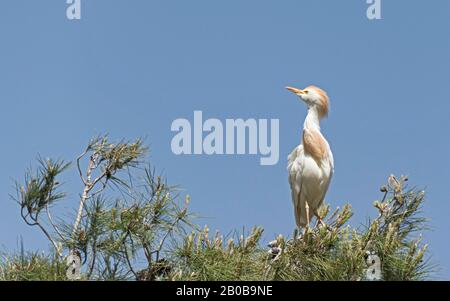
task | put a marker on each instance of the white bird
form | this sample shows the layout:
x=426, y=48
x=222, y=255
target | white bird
x=311, y=164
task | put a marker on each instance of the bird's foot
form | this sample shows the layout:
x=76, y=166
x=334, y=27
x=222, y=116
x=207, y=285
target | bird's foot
x=300, y=233
x=329, y=228
x=320, y=223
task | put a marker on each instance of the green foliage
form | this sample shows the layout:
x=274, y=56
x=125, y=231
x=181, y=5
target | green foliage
x=31, y=266
x=202, y=258
x=132, y=225
x=40, y=190
x=128, y=217
x=333, y=252
x=139, y=223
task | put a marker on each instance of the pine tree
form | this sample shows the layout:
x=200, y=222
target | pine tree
x=131, y=225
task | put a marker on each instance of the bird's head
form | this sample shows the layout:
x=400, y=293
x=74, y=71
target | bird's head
x=314, y=97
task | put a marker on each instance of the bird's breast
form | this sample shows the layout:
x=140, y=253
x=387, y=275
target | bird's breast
x=314, y=171
x=315, y=145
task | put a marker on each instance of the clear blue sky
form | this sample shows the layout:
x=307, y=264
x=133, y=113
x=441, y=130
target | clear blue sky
x=131, y=67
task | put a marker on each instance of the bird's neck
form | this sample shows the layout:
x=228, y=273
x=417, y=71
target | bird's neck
x=312, y=121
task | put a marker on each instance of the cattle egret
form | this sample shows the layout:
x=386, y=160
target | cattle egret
x=311, y=164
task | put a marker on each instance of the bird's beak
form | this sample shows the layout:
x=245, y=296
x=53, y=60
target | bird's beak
x=295, y=90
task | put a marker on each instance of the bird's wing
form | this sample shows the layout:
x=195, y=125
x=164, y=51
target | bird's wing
x=328, y=180
x=331, y=160
x=295, y=167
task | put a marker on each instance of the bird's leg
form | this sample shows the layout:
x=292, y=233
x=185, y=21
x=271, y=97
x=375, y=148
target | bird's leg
x=319, y=219
x=321, y=222
x=298, y=233
x=307, y=215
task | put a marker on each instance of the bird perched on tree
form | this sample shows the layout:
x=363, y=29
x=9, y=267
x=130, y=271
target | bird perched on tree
x=311, y=164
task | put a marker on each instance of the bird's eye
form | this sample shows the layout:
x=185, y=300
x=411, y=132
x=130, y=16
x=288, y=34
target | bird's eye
x=306, y=91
